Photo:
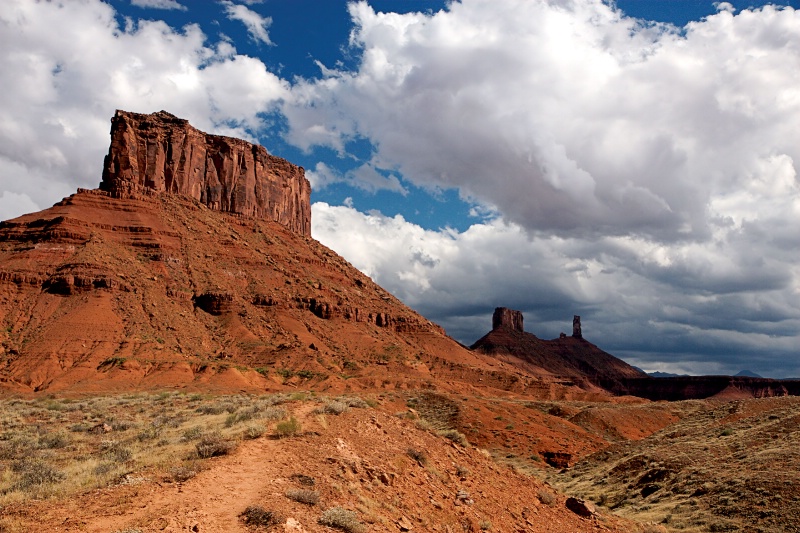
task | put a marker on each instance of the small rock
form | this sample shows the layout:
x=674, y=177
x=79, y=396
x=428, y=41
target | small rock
x=581, y=507
x=404, y=524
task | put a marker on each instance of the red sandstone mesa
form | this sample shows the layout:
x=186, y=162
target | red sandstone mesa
x=160, y=152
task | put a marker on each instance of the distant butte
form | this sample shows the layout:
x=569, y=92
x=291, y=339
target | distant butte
x=159, y=152
x=569, y=358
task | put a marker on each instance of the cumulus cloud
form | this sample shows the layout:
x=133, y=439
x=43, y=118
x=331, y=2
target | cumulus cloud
x=159, y=4
x=256, y=24
x=568, y=116
x=73, y=65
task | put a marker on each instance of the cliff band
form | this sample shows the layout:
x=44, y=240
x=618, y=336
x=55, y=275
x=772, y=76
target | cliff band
x=160, y=152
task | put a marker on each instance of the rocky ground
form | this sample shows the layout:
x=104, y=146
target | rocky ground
x=723, y=466
x=379, y=471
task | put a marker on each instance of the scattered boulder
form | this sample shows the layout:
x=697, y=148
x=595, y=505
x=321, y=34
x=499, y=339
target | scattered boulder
x=580, y=507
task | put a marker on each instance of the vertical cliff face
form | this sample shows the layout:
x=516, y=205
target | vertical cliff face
x=510, y=318
x=163, y=153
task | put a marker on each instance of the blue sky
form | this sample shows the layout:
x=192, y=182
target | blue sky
x=635, y=163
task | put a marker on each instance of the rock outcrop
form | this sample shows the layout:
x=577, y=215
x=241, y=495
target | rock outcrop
x=576, y=327
x=160, y=153
x=503, y=316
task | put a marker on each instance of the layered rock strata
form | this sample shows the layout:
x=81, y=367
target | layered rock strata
x=159, y=152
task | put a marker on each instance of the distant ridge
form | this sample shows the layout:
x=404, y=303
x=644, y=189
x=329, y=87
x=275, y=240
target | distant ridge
x=748, y=373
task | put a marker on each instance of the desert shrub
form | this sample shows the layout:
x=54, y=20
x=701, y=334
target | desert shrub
x=341, y=518
x=119, y=453
x=309, y=497
x=354, y=401
x=193, y=433
x=485, y=525
x=418, y=455
x=423, y=424
x=16, y=448
x=104, y=468
x=254, y=431
x=455, y=436
x=183, y=473
x=288, y=428
x=334, y=407
x=53, y=441
x=149, y=433
x=35, y=472
x=546, y=497
x=303, y=479
x=255, y=515
x=121, y=425
x=213, y=445
x=273, y=413
x=217, y=408
x=462, y=471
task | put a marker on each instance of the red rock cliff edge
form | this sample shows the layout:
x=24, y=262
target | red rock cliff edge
x=160, y=153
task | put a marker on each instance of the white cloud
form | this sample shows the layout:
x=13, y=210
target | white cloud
x=661, y=164
x=159, y=4
x=567, y=116
x=73, y=66
x=256, y=24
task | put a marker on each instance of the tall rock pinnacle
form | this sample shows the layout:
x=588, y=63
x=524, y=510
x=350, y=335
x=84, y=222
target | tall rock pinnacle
x=576, y=327
x=161, y=153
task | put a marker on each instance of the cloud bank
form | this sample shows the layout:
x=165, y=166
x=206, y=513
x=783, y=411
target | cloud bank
x=643, y=176
x=650, y=172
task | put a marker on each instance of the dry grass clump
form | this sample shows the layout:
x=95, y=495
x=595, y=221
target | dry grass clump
x=333, y=407
x=308, y=497
x=418, y=455
x=341, y=518
x=214, y=445
x=183, y=473
x=455, y=436
x=257, y=516
x=341, y=404
x=546, y=497
x=288, y=428
x=254, y=431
